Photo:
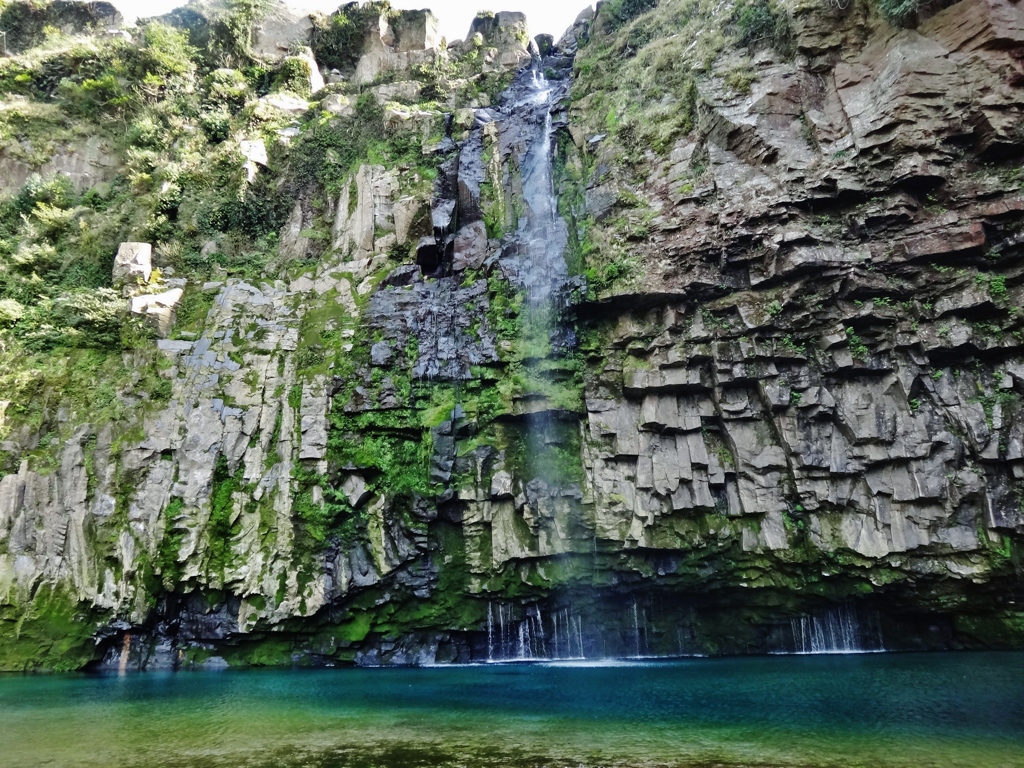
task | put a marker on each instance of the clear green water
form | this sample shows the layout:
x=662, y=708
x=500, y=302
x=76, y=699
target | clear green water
x=878, y=710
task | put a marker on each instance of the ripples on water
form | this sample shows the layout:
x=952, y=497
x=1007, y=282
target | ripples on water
x=892, y=711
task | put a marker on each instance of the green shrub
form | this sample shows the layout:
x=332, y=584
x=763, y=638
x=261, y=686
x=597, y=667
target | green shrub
x=233, y=32
x=166, y=52
x=294, y=75
x=898, y=11
x=225, y=88
x=216, y=124
x=620, y=12
x=54, y=190
x=260, y=212
x=82, y=318
x=338, y=39
x=147, y=131
x=105, y=95
x=763, y=22
x=330, y=149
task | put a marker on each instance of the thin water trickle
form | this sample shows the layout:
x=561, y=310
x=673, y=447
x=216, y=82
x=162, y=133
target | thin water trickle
x=559, y=637
x=579, y=638
x=490, y=631
x=636, y=630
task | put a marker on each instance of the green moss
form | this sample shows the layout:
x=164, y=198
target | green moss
x=330, y=149
x=556, y=458
x=191, y=313
x=355, y=629
x=222, y=526
x=294, y=76
x=261, y=652
x=1000, y=631
x=54, y=632
x=166, y=562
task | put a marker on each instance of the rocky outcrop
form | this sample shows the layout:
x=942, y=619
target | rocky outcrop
x=281, y=29
x=394, y=45
x=84, y=163
x=133, y=263
x=506, y=38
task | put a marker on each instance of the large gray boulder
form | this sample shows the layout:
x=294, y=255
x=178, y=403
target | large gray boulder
x=133, y=263
x=394, y=45
x=507, y=36
x=283, y=28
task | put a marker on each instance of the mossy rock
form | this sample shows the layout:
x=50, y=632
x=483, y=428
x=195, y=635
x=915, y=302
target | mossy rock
x=1001, y=631
x=55, y=633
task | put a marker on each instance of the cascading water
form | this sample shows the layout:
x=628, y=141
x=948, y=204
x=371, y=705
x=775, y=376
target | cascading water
x=639, y=630
x=532, y=637
x=541, y=239
x=542, y=232
x=534, y=260
x=835, y=630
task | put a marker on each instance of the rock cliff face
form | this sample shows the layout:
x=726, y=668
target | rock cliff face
x=701, y=333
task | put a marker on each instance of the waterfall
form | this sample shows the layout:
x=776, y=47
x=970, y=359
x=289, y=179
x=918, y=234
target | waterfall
x=536, y=265
x=579, y=638
x=542, y=232
x=639, y=630
x=523, y=651
x=510, y=638
x=636, y=630
x=835, y=630
x=490, y=631
x=554, y=621
x=505, y=616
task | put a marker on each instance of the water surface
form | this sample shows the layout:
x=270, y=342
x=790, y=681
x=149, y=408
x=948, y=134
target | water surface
x=947, y=710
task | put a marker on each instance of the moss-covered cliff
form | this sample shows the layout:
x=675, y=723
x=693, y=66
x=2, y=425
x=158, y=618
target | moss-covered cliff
x=279, y=384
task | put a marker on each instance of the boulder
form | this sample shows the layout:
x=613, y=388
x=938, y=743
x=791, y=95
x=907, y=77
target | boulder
x=307, y=63
x=404, y=91
x=338, y=104
x=158, y=308
x=355, y=490
x=470, y=247
x=286, y=103
x=397, y=44
x=507, y=35
x=255, y=153
x=133, y=263
x=281, y=30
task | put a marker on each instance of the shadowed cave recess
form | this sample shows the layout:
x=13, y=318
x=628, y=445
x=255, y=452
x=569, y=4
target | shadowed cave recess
x=326, y=341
